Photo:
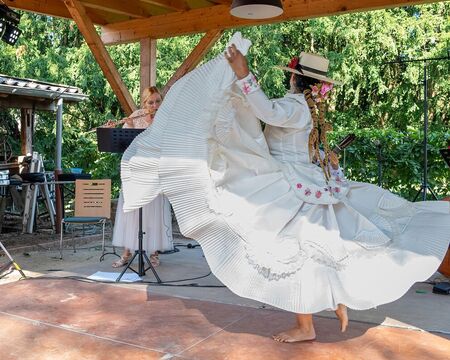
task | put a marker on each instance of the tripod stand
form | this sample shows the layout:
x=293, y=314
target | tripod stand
x=424, y=186
x=116, y=141
x=141, y=255
x=11, y=262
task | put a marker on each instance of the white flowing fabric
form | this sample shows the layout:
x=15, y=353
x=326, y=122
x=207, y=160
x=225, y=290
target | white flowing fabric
x=156, y=225
x=272, y=229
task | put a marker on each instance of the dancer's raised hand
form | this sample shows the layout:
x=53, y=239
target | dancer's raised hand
x=237, y=61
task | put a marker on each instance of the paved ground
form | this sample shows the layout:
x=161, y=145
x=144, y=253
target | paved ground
x=54, y=317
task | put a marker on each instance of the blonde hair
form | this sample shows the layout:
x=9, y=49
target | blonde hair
x=149, y=91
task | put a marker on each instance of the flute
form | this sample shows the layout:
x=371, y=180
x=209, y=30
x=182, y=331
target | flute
x=137, y=114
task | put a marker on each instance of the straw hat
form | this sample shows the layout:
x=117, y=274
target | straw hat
x=311, y=65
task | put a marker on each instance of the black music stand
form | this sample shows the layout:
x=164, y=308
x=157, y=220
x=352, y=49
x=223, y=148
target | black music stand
x=116, y=141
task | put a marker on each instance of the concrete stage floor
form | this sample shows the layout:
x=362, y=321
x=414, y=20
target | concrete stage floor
x=52, y=316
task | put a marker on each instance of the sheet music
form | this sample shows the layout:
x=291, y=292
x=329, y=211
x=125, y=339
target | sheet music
x=112, y=276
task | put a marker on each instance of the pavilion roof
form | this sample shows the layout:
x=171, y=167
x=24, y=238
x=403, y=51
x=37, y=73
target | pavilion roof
x=10, y=85
x=132, y=20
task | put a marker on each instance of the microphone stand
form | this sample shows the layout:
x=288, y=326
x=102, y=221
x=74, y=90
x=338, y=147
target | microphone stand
x=141, y=255
x=424, y=186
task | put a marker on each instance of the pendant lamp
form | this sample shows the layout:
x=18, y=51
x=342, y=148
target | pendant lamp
x=256, y=9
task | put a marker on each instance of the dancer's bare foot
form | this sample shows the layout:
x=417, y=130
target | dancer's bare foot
x=341, y=313
x=295, y=335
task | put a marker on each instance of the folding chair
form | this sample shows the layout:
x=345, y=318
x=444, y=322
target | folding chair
x=92, y=206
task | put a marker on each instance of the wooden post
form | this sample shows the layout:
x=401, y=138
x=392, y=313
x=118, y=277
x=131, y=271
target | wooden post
x=148, y=64
x=26, y=130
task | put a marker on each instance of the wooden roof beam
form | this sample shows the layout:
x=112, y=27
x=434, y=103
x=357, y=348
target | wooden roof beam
x=130, y=8
x=51, y=8
x=194, y=58
x=174, y=5
x=100, y=53
x=218, y=16
x=46, y=7
x=222, y=2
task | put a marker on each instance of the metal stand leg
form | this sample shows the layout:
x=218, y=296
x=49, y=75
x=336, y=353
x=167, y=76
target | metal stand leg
x=141, y=255
x=423, y=191
x=380, y=166
x=30, y=199
x=12, y=262
x=104, y=253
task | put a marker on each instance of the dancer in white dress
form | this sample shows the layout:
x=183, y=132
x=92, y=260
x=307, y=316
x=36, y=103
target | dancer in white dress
x=156, y=215
x=275, y=227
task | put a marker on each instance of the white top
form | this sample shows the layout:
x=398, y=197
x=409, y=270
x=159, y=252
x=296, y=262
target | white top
x=289, y=124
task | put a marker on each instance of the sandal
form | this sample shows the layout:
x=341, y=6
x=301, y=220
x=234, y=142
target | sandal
x=121, y=262
x=154, y=260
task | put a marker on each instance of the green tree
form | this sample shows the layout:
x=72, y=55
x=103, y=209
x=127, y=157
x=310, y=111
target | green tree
x=377, y=101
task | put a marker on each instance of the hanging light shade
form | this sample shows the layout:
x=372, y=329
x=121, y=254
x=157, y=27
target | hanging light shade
x=256, y=9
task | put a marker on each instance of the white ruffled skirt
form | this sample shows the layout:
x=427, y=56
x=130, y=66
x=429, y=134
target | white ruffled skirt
x=156, y=224
x=262, y=238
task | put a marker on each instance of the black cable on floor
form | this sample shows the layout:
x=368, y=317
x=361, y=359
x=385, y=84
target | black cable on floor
x=175, y=250
x=166, y=283
x=167, y=252
x=189, y=246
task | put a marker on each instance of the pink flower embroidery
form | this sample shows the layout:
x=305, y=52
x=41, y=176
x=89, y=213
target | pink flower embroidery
x=299, y=186
x=337, y=190
x=249, y=85
x=338, y=179
x=246, y=88
x=307, y=192
x=318, y=194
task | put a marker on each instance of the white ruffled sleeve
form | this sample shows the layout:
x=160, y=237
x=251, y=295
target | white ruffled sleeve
x=289, y=111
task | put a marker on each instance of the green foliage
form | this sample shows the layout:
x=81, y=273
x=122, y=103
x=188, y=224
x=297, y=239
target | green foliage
x=401, y=160
x=378, y=101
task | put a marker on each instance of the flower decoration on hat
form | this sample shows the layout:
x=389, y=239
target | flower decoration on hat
x=293, y=63
x=320, y=91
